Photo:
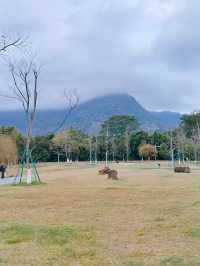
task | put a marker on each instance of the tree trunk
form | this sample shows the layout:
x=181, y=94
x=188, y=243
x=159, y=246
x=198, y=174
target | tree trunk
x=28, y=141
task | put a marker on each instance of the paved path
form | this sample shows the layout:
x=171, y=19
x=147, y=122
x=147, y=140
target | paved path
x=7, y=181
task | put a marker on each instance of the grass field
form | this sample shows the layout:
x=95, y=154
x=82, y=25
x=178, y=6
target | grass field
x=148, y=217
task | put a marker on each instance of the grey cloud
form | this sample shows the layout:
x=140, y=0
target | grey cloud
x=179, y=42
x=146, y=48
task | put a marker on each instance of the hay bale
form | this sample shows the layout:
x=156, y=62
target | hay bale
x=182, y=169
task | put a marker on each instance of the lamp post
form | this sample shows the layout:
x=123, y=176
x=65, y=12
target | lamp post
x=172, y=150
x=90, y=151
x=107, y=135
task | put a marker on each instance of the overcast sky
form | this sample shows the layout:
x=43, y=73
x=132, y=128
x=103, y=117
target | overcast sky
x=147, y=48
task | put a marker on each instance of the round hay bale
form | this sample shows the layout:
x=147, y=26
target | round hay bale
x=182, y=169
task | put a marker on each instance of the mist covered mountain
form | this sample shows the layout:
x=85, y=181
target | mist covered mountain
x=89, y=115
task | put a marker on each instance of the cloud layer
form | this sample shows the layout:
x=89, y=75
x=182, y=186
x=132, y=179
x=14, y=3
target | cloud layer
x=148, y=48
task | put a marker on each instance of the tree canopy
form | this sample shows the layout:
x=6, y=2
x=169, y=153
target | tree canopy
x=147, y=150
x=191, y=123
x=120, y=124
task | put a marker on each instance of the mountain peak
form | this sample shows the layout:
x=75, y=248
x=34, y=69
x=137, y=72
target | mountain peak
x=90, y=115
x=115, y=97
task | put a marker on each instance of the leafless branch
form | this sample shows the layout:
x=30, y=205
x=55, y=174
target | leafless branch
x=71, y=102
x=6, y=43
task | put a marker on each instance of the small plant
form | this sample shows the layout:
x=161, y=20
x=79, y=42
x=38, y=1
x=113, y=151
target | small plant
x=133, y=263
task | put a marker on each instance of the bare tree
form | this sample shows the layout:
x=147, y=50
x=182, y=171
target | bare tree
x=71, y=102
x=127, y=143
x=24, y=89
x=6, y=42
x=180, y=144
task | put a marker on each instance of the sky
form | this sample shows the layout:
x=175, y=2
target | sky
x=147, y=48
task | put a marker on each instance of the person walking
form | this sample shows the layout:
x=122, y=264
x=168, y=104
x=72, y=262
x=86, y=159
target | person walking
x=3, y=170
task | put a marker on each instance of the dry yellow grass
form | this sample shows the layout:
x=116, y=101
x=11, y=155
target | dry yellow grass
x=148, y=216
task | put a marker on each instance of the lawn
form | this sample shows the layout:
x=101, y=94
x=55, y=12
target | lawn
x=76, y=217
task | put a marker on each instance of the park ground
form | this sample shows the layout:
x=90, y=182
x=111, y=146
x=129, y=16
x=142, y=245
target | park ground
x=79, y=218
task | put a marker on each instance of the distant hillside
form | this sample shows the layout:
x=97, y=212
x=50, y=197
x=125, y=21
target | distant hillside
x=168, y=119
x=89, y=115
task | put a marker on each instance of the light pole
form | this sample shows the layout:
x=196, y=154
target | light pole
x=107, y=135
x=172, y=150
x=156, y=149
x=96, y=146
x=58, y=158
x=90, y=151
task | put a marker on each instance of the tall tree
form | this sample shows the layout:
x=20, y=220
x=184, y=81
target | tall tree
x=191, y=127
x=73, y=143
x=191, y=124
x=24, y=89
x=120, y=124
x=118, y=129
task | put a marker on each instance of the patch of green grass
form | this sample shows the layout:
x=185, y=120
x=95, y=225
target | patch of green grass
x=14, y=234
x=24, y=184
x=196, y=204
x=58, y=242
x=193, y=232
x=172, y=261
x=56, y=236
x=177, y=261
x=133, y=263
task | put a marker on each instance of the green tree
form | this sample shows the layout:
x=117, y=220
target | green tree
x=191, y=124
x=136, y=140
x=117, y=131
x=41, y=147
x=164, y=152
x=74, y=143
x=118, y=125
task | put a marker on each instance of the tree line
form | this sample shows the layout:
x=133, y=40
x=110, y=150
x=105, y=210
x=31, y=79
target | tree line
x=120, y=138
